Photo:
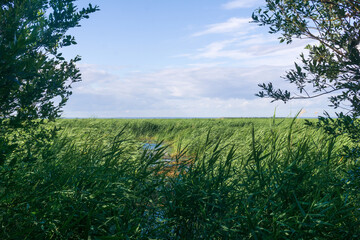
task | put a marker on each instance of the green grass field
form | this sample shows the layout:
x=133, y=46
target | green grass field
x=182, y=179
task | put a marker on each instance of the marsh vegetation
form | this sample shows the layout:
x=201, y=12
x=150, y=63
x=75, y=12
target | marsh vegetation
x=228, y=179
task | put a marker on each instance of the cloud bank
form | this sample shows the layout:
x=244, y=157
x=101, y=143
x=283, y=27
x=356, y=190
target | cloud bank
x=181, y=92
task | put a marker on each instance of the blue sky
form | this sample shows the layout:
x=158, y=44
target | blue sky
x=161, y=58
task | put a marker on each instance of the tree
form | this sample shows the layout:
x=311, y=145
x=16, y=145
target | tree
x=35, y=80
x=32, y=71
x=332, y=66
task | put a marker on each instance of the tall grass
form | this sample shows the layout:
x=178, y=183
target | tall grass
x=229, y=179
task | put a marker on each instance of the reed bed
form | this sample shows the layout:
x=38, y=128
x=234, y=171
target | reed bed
x=227, y=179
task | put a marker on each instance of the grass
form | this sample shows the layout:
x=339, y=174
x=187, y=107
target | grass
x=229, y=179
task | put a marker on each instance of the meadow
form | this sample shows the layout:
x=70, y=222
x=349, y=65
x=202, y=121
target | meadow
x=181, y=179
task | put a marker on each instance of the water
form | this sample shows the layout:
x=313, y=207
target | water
x=154, y=147
x=150, y=146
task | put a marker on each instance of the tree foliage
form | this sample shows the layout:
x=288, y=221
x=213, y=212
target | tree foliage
x=35, y=79
x=32, y=71
x=333, y=64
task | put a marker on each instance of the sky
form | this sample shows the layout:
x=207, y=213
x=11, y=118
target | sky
x=180, y=59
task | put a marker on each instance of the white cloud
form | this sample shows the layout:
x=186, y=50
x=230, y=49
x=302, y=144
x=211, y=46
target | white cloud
x=253, y=51
x=217, y=50
x=241, y=4
x=202, y=91
x=250, y=44
x=240, y=26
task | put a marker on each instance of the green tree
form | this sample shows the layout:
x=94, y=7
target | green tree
x=35, y=80
x=32, y=71
x=332, y=65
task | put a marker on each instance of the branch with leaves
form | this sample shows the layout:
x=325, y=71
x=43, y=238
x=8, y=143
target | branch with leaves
x=332, y=66
x=32, y=71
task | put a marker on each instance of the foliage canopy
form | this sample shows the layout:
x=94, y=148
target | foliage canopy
x=333, y=64
x=35, y=79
